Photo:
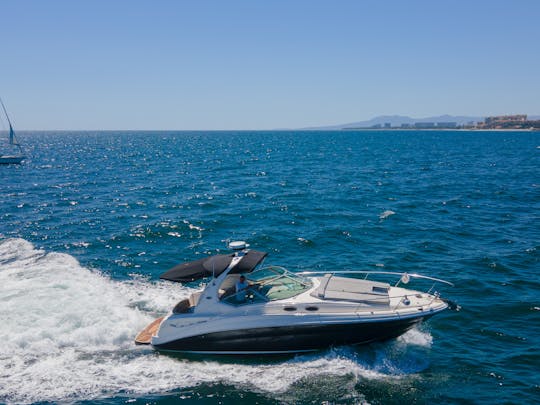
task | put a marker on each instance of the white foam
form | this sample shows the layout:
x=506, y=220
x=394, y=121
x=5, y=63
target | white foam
x=416, y=337
x=67, y=334
x=386, y=214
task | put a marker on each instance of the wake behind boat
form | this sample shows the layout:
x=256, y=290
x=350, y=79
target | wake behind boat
x=273, y=311
x=11, y=158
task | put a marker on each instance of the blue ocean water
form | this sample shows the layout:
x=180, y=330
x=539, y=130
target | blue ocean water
x=91, y=219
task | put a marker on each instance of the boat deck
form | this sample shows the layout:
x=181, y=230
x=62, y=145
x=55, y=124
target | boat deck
x=145, y=336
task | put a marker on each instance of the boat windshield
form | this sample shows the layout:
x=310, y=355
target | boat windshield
x=270, y=284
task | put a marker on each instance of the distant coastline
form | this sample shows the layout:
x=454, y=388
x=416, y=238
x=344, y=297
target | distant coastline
x=518, y=122
x=393, y=129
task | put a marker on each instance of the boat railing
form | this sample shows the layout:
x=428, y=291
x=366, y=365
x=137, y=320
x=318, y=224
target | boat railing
x=403, y=277
x=404, y=300
x=283, y=272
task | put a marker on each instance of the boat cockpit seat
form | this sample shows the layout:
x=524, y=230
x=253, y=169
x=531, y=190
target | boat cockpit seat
x=187, y=304
x=182, y=307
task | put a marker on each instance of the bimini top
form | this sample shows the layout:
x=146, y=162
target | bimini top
x=213, y=265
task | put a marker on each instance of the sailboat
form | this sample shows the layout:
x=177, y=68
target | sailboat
x=11, y=159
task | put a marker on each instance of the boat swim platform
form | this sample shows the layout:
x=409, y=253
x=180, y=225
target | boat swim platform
x=145, y=336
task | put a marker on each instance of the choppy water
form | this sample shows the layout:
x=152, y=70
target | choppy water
x=89, y=222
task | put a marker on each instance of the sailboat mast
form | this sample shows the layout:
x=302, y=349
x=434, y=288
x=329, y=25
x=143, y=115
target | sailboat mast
x=5, y=111
x=12, y=139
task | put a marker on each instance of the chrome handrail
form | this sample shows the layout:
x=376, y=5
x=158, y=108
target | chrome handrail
x=368, y=272
x=285, y=273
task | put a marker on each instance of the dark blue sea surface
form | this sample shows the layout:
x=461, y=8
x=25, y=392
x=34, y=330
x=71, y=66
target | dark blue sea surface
x=91, y=219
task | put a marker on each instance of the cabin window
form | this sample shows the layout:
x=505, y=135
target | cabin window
x=266, y=284
x=276, y=283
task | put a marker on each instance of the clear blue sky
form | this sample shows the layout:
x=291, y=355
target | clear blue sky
x=112, y=64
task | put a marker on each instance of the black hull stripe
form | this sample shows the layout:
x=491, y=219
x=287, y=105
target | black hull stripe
x=287, y=339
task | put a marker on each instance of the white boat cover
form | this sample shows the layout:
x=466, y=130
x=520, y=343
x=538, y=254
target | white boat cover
x=351, y=289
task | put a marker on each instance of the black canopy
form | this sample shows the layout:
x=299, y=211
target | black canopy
x=213, y=265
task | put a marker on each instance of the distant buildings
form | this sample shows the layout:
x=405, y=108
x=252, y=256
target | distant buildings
x=517, y=121
x=418, y=125
x=446, y=124
x=503, y=119
x=432, y=125
x=424, y=125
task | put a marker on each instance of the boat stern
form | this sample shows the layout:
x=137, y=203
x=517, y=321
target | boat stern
x=145, y=336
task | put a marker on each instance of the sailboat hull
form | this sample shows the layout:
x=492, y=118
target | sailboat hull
x=11, y=160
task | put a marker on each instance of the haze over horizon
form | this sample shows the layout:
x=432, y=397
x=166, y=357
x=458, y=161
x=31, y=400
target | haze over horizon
x=214, y=65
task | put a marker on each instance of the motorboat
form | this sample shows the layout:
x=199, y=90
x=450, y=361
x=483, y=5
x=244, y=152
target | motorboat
x=280, y=311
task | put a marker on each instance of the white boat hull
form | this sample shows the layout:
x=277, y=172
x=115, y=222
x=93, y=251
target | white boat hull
x=255, y=334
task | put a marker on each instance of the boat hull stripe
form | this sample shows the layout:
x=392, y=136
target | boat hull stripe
x=287, y=339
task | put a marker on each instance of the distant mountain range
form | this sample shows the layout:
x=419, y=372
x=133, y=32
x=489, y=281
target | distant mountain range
x=397, y=120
